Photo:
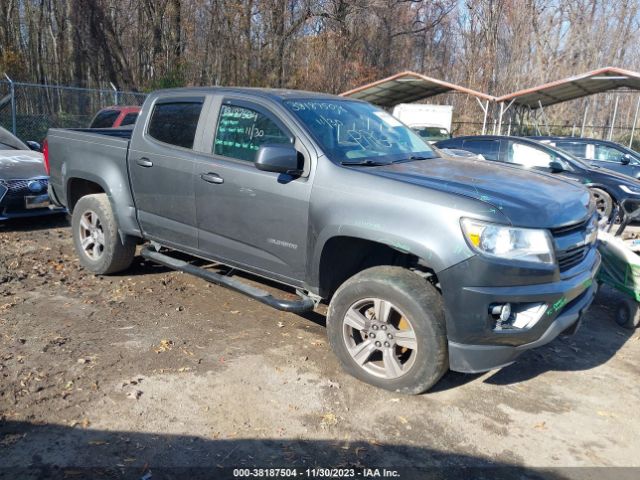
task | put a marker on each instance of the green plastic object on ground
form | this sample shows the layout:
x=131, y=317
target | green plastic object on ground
x=620, y=269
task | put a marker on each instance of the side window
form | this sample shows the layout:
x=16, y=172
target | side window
x=527, y=156
x=577, y=149
x=489, y=149
x=608, y=154
x=175, y=123
x=105, y=119
x=129, y=119
x=242, y=130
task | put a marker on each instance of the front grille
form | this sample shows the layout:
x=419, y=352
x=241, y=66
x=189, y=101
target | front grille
x=570, y=228
x=573, y=242
x=572, y=257
x=20, y=188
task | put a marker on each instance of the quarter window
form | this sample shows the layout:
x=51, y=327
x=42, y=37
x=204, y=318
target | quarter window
x=241, y=131
x=175, y=123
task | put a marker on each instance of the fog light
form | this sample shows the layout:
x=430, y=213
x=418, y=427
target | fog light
x=516, y=317
x=502, y=311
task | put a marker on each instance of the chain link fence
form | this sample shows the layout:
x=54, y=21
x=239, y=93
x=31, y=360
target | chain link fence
x=29, y=110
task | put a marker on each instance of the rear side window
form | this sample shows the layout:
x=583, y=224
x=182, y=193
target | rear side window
x=129, y=119
x=242, y=130
x=489, y=149
x=577, y=149
x=175, y=123
x=105, y=119
x=527, y=155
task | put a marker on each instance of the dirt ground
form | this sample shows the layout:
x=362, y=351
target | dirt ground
x=157, y=371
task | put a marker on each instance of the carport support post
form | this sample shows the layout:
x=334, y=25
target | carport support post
x=635, y=119
x=613, y=120
x=485, y=109
x=544, y=115
x=584, y=118
x=12, y=90
x=500, y=118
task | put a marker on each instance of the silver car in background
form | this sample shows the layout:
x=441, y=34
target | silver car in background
x=23, y=179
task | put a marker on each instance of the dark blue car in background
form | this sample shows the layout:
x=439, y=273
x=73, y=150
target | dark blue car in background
x=608, y=187
x=601, y=153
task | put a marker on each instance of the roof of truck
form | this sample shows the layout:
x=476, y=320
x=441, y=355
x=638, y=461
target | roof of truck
x=272, y=93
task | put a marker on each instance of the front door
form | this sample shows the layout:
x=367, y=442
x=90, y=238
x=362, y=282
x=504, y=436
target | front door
x=246, y=216
x=162, y=166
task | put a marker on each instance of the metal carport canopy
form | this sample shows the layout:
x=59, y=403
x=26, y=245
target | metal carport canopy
x=407, y=87
x=595, y=81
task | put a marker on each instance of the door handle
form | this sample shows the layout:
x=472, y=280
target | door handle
x=144, y=162
x=212, y=178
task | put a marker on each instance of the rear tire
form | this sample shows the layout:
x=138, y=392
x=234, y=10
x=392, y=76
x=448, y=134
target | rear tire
x=628, y=314
x=96, y=238
x=386, y=326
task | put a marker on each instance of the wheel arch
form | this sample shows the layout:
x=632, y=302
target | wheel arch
x=341, y=256
x=81, y=184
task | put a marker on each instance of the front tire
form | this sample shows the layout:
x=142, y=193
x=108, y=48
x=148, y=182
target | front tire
x=95, y=236
x=386, y=326
x=604, y=202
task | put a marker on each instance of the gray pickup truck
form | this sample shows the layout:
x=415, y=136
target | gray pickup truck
x=427, y=264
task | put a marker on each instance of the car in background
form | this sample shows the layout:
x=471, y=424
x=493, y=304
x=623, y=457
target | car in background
x=114, y=117
x=23, y=179
x=609, y=188
x=602, y=153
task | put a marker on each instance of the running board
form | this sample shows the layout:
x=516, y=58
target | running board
x=305, y=303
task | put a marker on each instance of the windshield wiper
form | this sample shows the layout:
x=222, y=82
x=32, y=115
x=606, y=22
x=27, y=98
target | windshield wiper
x=366, y=163
x=413, y=157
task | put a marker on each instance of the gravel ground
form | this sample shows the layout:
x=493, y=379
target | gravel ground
x=157, y=371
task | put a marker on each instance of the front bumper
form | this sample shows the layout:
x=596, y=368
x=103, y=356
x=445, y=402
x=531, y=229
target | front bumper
x=14, y=207
x=475, y=345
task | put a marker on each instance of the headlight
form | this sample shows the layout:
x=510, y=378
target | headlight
x=633, y=190
x=502, y=241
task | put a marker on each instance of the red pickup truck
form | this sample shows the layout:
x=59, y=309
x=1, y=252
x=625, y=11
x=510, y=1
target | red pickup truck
x=113, y=117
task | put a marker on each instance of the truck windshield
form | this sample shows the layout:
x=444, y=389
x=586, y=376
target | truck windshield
x=349, y=131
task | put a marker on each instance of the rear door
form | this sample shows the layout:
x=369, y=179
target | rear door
x=246, y=216
x=161, y=167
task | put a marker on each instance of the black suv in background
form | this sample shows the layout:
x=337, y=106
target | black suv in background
x=608, y=187
x=601, y=153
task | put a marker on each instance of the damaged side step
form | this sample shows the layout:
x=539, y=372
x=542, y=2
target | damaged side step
x=305, y=303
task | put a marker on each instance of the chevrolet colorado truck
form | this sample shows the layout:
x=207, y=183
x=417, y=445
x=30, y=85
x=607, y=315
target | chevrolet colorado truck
x=427, y=264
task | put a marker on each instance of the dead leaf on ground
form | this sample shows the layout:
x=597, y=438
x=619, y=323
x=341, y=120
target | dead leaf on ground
x=329, y=419
x=164, y=346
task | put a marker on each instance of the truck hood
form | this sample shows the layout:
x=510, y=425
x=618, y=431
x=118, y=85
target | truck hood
x=527, y=199
x=21, y=164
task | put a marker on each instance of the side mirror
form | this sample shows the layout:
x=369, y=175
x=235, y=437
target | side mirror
x=279, y=158
x=555, y=166
x=626, y=159
x=34, y=145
